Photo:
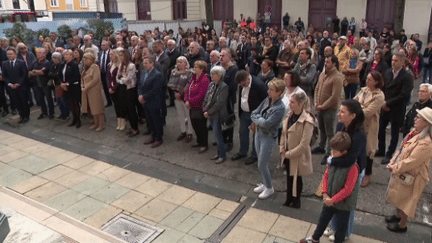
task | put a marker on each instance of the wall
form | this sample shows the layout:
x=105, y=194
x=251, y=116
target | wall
x=352, y=8
x=128, y=8
x=296, y=9
x=161, y=9
x=247, y=8
x=421, y=9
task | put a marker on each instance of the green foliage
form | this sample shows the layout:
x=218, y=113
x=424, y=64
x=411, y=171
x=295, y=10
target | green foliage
x=20, y=30
x=44, y=32
x=98, y=26
x=64, y=31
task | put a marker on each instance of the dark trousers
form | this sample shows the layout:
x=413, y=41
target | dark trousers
x=131, y=97
x=105, y=88
x=3, y=102
x=44, y=93
x=290, y=182
x=118, y=102
x=351, y=91
x=369, y=163
x=396, y=123
x=63, y=104
x=245, y=122
x=75, y=109
x=20, y=98
x=342, y=218
x=164, y=107
x=154, y=121
x=228, y=135
x=30, y=94
x=171, y=96
x=199, y=125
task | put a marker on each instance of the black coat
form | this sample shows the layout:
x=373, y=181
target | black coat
x=243, y=52
x=411, y=114
x=152, y=89
x=397, y=93
x=173, y=59
x=271, y=54
x=381, y=68
x=257, y=93
x=17, y=74
x=108, y=59
x=73, y=78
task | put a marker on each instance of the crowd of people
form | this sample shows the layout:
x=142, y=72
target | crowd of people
x=287, y=86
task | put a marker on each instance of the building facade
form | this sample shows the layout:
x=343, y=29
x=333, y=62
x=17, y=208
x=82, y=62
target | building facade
x=416, y=14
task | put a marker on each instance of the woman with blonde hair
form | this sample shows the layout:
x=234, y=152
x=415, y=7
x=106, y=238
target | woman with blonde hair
x=114, y=88
x=91, y=88
x=295, y=150
x=179, y=78
x=266, y=121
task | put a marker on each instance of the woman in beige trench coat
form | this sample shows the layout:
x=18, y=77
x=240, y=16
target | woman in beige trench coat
x=295, y=150
x=371, y=99
x=91, y=88
x=410, y=171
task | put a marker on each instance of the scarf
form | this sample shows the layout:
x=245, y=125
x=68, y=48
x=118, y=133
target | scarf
x=303, y=66
x=266, y=49
x=211, y=91
x=353, y=63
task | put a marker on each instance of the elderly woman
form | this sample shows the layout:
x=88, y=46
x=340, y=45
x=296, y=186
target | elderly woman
x=267, y=118
x=126, y=77
x=297, y=130
x=410, y=171
x=91, y=88
x=215, y=109
x=114, y=88
x=179, y=78
x=53, y=75
x=194, y=99
x=371, y=99
x=70, y=83
x=425, y=100
x=352, y=73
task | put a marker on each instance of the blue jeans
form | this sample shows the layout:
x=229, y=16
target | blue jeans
x=351, y=91
x=221, y=148
x=245, y=122
x=427, y=74
x=264, y=147
x=63, y=104
x=350, y=228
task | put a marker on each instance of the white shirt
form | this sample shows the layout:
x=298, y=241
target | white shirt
x=245, y=96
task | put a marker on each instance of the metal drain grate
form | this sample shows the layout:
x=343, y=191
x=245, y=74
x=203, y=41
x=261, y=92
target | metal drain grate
x=131, y=230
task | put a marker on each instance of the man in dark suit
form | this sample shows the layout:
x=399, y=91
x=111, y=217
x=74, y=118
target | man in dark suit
x=15, y=76
x=3, y=102
x=173, y=53
x=397, y=91
x=164, y=61
x=56, y=41
x=243, y=51
x=104, y=59
x=251, y=93
x=150, y=90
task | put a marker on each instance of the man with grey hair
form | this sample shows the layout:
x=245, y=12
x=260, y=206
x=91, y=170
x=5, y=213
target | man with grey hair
x=223, y=43
x=425, y=100
x=38, y=73
x=214, y=59
x=104, y=59
x=194, y=53
x=134, y=45
x=89, y=45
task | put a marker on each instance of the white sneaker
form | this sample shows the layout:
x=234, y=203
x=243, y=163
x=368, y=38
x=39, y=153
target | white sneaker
x=332, y=238
x=328, y=232
x=260, y=188
x=266, y=193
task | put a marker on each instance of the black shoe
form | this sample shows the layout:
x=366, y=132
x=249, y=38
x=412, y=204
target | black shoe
x=396, y=228
x=229, y=147
x=146, y=132
x=20, y=120
x=318, y=150
x=14, y=112
x=324, y=160
x=288, y=202
x=238, y=156
x=78, y=124
x=5, y=113
x=250, y=161
x=196, y=145
x=41, y=116
x=74, y=122
x=385, y=161
x=133, y=134
x=214, y=143
x=25, y=120
x=51, y=117
x=379, y=153
x=209, y=128
x=392, y=219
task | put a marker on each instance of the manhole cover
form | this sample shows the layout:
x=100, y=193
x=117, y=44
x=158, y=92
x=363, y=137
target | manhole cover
x=131, y=230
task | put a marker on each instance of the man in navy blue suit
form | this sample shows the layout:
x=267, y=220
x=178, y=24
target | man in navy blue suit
x=15, y=76
x=150, y=90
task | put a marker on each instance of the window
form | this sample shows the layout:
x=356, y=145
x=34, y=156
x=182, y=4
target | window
x=1, y=4
x=113, y=7
x=83, y=3
x=179, y=9
x=16, y=4
x=69, y=5
x=54, y=3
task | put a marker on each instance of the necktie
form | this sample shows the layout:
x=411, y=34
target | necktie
x=11, y=64
x=103, y=61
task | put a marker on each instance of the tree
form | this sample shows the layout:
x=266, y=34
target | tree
x=64, y=31
x=43, y=32
x=20, y=30
x=98, y=26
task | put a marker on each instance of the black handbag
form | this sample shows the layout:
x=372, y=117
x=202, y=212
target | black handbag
x=4, y=227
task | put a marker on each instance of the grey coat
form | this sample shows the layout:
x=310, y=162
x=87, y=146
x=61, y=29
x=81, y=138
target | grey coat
x=216, y=102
